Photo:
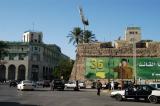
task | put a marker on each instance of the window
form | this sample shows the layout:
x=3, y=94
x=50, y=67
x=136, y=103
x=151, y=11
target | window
x=158, y=85
x=132, y=32
x=21, y=56
x=35, y=48
x=153, y=85
x=11, y=56
x=31, y=35
x=39, y=38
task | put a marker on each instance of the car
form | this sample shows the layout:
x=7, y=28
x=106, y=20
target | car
x=137, y=92
x=25, y=85
x=13, y=83
x=94, y=85
x=57, y=84
x=72, y=85
x=108, y=85
x=155, y=84
x=34, y=84
x=82, y=84
x=46, y=83
x=40, y=83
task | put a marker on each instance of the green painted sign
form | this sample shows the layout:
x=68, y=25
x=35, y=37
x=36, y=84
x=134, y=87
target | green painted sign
x=122, y=68
x=148, y=68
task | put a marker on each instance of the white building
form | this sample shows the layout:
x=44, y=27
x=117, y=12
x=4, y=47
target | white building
x=30, y=59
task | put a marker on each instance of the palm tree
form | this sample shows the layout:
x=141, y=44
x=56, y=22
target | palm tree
x=89, y=37
x=76, y=36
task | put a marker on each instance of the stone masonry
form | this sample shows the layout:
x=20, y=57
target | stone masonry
x=151, y=49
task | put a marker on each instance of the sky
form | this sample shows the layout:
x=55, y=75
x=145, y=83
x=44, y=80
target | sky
x=56, y=18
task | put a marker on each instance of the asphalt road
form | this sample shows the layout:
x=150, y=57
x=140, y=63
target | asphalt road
x=45, y=97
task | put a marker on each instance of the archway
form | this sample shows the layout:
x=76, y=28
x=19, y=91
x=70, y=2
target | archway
x=21, y=72
x=2, y=73
x=11, y=72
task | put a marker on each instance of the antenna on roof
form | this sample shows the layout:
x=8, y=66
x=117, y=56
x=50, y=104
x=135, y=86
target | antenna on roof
x=33, y=26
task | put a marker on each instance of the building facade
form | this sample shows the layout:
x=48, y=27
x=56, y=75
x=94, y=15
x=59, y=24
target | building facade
x=30, y=59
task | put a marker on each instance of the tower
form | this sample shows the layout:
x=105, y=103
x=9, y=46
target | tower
x=32, y=37
x=133, y=33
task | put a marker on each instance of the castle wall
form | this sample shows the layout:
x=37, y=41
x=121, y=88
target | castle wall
x=84, y=51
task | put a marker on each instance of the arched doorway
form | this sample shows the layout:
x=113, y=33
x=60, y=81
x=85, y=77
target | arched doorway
x=2, y=73
x=21, y=72
x=11, y=72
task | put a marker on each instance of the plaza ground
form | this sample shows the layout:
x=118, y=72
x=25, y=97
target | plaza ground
x=45, y=97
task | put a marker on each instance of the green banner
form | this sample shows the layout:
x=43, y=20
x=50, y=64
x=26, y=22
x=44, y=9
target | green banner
x=148, y=68
x=122, y=68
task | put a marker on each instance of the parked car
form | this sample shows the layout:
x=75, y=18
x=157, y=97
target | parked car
x=25, y=85
x=57, y=84
x=34, y=84
x=137, y=92
x=81, y=84
x=13, y=83
x=155, y=84
x=72, y=85
x=94, y=85
x=40, y=83
x=46, y=83
x=108, y=85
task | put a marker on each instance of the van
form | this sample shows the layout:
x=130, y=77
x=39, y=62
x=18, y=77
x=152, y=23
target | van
x=155, y=84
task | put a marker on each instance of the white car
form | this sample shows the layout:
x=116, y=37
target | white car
x=71, y=85
x=155, y=84
x=82, y=84
x=137, y=92
x=25, y=85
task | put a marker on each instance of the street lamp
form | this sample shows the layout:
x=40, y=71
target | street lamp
x=134, y=60
x=121, y=69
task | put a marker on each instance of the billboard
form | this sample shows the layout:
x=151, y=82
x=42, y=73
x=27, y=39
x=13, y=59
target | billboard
x=122, y=68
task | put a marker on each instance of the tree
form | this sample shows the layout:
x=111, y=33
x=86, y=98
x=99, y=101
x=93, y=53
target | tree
x=3, y=51
x=64, y=69
x=76, y=35
x=89, y=37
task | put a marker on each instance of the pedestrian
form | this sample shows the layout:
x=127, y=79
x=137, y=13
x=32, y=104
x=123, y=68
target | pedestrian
x=99, y=86
x=112, y=85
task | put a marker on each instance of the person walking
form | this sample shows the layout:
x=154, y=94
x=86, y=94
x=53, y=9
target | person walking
x=99, y=86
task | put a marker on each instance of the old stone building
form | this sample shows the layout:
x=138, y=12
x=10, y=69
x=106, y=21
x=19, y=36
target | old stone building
x=127, y=59
x=30, y=59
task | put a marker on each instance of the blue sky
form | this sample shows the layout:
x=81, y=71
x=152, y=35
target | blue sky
x=56, y=18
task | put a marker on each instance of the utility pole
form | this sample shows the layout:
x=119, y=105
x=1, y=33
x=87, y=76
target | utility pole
x=134, y=60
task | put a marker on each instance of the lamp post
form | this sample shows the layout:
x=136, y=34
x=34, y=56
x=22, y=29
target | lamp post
x=121, y=69
x=134, y=60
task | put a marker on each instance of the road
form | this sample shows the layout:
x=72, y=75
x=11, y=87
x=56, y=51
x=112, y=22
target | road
x=45, y=97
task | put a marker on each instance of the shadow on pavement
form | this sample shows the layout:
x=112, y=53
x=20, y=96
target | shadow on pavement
x=15, y=104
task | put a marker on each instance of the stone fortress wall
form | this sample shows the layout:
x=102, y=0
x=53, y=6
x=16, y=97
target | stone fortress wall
x=149, y=49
